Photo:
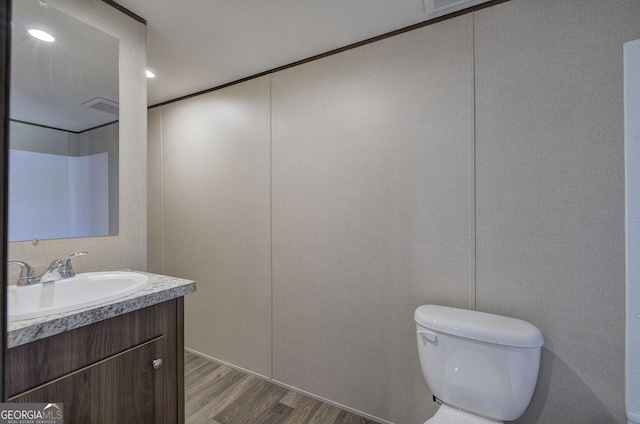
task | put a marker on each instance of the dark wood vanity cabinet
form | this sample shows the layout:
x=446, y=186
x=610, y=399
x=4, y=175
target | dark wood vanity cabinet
x=105, y=372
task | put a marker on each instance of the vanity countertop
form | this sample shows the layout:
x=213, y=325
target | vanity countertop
x=160, y=289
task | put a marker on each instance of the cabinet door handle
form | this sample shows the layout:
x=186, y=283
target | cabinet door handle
x=157, y=363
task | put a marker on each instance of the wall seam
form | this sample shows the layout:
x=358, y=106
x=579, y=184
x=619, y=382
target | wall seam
x=271, y=219
x=472, y=175
x=162, y=226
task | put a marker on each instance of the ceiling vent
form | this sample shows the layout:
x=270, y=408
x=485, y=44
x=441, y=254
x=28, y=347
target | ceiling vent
x=104, y=105
x=437, y=8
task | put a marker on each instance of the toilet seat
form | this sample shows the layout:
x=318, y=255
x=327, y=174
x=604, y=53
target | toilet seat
x=450, y=415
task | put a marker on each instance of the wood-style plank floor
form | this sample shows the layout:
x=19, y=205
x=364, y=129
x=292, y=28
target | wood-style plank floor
x=217, y=394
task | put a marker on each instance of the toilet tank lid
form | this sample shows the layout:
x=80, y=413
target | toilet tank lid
x=479, y=326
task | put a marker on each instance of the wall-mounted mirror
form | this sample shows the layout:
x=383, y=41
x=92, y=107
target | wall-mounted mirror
x=63, y=130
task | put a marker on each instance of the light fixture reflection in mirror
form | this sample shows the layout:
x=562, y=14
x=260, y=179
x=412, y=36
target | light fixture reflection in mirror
x=63, y=130
x=42, y=35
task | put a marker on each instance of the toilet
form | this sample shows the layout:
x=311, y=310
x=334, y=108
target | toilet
x=481, y=368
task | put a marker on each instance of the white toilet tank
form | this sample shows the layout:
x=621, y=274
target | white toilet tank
x=482, y=363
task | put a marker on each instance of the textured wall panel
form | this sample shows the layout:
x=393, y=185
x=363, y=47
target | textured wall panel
x=371, y=159
x=550, y=192
x=155, y=244
x=215, y=151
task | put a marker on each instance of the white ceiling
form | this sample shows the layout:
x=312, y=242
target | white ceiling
x=195, y=45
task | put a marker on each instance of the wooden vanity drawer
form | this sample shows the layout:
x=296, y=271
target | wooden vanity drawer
x=39, y=362
x=125, y=388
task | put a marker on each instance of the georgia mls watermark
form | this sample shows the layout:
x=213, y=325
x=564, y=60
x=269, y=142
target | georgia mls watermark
x=31, y=413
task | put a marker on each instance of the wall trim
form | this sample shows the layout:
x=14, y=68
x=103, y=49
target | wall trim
x=125, y=11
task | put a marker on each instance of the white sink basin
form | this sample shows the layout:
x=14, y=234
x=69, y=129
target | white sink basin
x=81, y=291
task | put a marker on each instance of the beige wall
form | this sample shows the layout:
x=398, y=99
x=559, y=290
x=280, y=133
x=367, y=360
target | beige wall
x=476, y=162
x=215, y=208
x=370, y=201
x=129, y=248
x=550, y=192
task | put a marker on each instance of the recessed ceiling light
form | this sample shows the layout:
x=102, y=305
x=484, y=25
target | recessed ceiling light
x=150, y=74
x=42, y=35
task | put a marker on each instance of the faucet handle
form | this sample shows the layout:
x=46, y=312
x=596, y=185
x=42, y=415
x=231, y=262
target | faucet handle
x=67, y=270
x=55, y=265
x=27, y=274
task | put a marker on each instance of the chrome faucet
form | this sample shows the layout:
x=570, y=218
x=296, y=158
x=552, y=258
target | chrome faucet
x=57, y=270
x=27, y=274
x=53, y=273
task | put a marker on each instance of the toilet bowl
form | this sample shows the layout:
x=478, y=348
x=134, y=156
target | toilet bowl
x=481, y=367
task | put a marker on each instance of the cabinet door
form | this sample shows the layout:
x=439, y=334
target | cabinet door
x=125, y=388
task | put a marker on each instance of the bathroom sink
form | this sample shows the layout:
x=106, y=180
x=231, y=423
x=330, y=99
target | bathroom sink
x=81, y=291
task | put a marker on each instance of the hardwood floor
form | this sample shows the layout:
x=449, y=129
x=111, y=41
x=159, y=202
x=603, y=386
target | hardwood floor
x=217, y=394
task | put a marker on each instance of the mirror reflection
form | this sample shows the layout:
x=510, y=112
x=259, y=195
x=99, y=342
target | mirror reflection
x=63, y=130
